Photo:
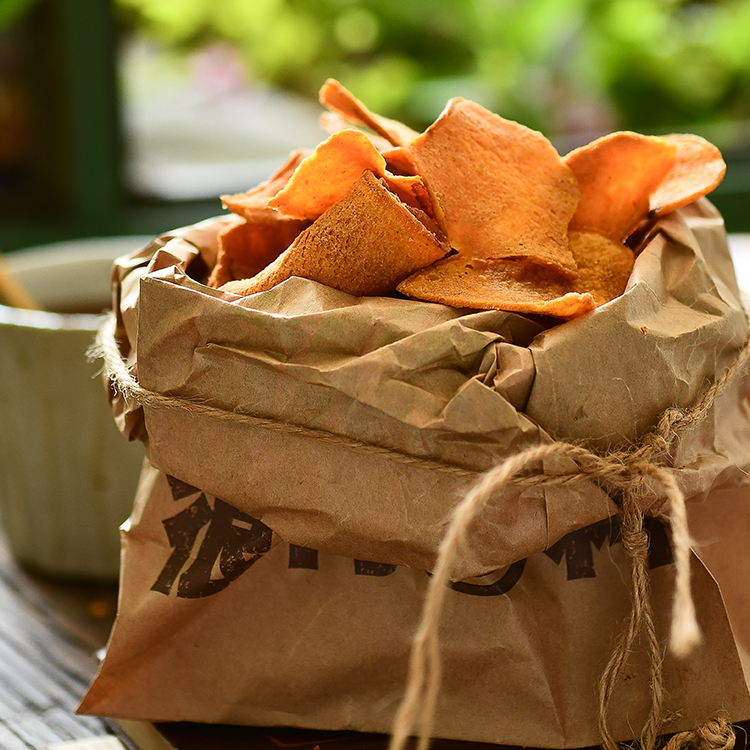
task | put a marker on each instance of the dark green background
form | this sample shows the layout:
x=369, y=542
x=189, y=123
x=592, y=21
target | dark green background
x=695, y=77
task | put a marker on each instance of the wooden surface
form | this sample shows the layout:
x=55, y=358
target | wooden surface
x=49, y=634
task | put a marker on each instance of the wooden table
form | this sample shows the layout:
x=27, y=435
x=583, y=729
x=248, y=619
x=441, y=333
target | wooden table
x=49, y=634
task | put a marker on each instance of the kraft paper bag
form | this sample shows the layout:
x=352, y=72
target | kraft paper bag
x=284, y=635
x=307, y=449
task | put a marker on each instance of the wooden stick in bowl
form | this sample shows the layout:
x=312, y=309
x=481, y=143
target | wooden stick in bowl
x=12, y=292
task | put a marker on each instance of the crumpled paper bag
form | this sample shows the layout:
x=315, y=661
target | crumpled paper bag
x=349, y=428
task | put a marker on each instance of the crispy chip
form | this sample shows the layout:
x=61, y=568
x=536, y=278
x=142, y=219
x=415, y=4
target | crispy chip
x=245, y=249
x=411, y=190
x=327, y=174
x=617, y=174
x=500, y=190
x=604, y=266
x=365, y=244
x=698, y=169
x=336, y=98
x=332, y=123
x=479, y=284
x=253, y=205
x=399, y=161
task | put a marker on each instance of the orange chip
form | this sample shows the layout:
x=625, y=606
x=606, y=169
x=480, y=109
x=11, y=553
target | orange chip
x=410, y=189
x=253, y=205
x=397, y=158
x=399, y=161
x=698, y=169
x=617, y=174
x=604, y=266
x=336, y=98
x=365, y=244
x=479, y=284
x=326, y=175
x=500, y=190
x=332, y=123
x=248, y=247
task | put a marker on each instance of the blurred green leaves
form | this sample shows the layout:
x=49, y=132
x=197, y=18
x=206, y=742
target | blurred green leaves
x=562, y=66
x=10, y=10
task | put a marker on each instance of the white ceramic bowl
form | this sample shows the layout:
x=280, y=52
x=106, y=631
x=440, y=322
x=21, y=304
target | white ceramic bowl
x=67, y=476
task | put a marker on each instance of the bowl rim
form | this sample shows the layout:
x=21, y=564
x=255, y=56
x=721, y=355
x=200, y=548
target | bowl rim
x=64, y=255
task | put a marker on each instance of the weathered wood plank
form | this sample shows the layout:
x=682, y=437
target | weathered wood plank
x=49, y=631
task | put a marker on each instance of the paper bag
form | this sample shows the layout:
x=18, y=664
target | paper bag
x=307, y=449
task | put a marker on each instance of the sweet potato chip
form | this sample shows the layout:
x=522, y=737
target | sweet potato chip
x=617, y=175
x=336, y=98
x=480, y=284
x=399, y=161
x=326, y=175
x=365, y=244
x=698, y=169
x=604, y=266
x=500, y=190
x=248, y=247
x=411, y=190
x=333, y=123
x=253, y=205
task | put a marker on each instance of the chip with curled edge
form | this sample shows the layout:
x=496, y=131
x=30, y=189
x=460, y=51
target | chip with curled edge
x=326, y=175
x=253, y=205
x=343, y=103
x=500, y=190
x=617, y=175
x=698, y=169
x=480, y=284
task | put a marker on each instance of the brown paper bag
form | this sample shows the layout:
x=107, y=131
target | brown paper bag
x=308, y=448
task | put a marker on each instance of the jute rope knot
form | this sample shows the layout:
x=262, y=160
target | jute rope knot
x=634, y=478
x=714, y=734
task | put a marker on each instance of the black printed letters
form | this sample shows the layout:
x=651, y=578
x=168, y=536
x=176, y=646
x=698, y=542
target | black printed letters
x=214, y=543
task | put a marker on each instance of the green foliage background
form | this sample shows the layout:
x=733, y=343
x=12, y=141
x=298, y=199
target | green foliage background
x=561, y=66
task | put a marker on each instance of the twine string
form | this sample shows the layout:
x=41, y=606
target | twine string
x=423, y=678
x=715, y=734
x=627, y=474
x=640, y=620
